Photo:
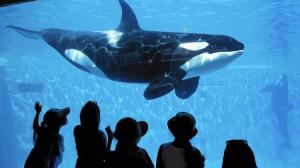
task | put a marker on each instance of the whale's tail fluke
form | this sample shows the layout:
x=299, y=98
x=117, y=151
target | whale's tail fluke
x=27, y=33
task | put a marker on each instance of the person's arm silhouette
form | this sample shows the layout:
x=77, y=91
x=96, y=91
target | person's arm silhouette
x=110, y=136
x=38, y=109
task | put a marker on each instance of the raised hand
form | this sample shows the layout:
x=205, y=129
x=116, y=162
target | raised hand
x=38, y=107
x=110, y=136
x=109, y=132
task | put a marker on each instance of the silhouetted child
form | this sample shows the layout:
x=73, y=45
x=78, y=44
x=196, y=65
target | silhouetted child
x=238, y=154
x=49, y=145
x=180, y=153
x=90, y=141
x=127, y=154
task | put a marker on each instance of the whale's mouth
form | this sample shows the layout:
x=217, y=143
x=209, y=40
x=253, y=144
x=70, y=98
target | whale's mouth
x=232, y=53
x=218, y=59
x=240, y=46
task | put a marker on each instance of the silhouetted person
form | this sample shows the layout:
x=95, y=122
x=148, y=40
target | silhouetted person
x=238, y=154
x=90, y=141
x=180, y=153
x=49, y=145
x=127, y=154
x=280, y=106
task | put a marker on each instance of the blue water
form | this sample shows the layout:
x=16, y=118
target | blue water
x=227, y=104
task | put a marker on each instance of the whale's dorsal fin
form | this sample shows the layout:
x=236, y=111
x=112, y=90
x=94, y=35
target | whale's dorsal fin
x=128, y=22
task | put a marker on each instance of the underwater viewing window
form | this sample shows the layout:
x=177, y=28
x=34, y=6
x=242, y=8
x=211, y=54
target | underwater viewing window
x=165, y=78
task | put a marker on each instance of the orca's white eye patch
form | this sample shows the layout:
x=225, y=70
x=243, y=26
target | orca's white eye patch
x=194, y=46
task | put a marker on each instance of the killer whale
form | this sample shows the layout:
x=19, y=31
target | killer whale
x=165, y=60
x=280, y=105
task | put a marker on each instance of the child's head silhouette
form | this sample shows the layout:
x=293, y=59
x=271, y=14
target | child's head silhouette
x=90, y=115
x=182, y=125
x=238, y=154
x=128, y=129
x=56, y=118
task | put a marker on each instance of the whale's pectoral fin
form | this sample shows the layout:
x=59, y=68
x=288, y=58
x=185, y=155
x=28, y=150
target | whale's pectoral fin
x=158, y=88
x=268, y=88
x=187, y=87
x=129, y=21
x=164, y=84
